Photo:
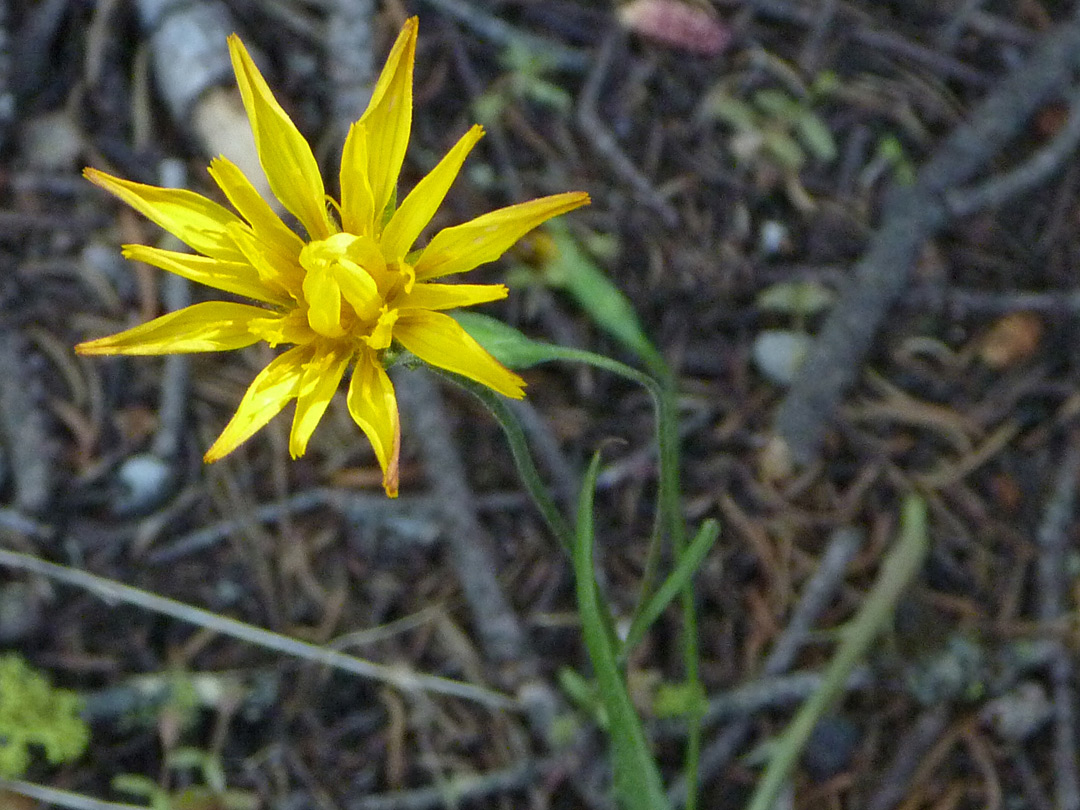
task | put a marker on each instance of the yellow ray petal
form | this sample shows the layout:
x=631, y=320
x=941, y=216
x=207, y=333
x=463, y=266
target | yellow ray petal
x=486, y=238
x=373, y=406
x=322, y=374
x=275, y=271
x=239, y=278
x=285, y=156
x=290, y=327
x=424, y=200
x=208, y=327
x=257, y=211
x=268, y=393
x=439, y=340
x=360, y=273
x=359, y=289
x=357, y=204
x=365, y=252
x=199, y=223
x=450, y=296
x=383, y=332
x=388, y=118
x=323, y=294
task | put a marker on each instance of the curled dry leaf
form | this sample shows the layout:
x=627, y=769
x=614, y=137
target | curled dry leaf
x=1012, y=340
x=677, y=23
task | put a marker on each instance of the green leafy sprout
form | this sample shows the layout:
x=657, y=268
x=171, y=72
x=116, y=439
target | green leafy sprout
x=212, y=793
x=526, y=80
x=35, y=713
x=775, y=125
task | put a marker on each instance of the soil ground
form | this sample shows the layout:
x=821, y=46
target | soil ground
x=740, y=167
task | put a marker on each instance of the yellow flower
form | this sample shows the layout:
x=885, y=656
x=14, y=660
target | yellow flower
x=346, y=293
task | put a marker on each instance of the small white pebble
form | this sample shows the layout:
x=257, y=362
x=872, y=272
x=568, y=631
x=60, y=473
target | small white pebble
x=51, y=142
x=144, y=480
x=1019, y=714
x=778, y=353
x=773, y=238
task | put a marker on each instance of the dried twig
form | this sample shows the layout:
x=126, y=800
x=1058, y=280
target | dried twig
x=818, y=592
x=593, y=127
x=471, y=552
x=188, y=48
x=176, y=371
x=992, y=302
x=946, y=66
x=490, y=28
x=175, y=381
x=55, y=797
x=911, y=748
x=883, y=41
x=453, y=791
x=1053, y=542
x=1036, y=169
x=148, y=478
x=773, y=692
x=359, y=507
x=396, y=677
x=254, y=690
x=350, y=67
x=811, y=52
x=911, y=216
x=7, y=91
x=22, y=426
x=193, y=74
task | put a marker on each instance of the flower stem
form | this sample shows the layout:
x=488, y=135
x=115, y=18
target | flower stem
x=671, y=512
x=662, y=387
x=519, y=449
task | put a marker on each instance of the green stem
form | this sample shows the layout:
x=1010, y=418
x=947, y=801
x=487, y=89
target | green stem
x=519, y=449
x=663, y=390
x=671, y=510
x=637, y=778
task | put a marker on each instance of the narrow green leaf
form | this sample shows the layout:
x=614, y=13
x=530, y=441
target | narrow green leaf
x=545, y=93
x=784, y=148
x=582, y=692
x=778, y=104
x=516, y=350
x=506, y=344
x=679, y=700
x=815, y=136
x=903, y=562
x=678, y=579
x=637, y=778
x=574, y=271
x=720, y=106
x=134, y=784
x=802, y=298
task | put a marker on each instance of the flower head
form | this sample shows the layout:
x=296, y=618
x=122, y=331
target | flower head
x=346, y=293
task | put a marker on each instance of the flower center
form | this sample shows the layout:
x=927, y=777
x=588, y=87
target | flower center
x=348, y=268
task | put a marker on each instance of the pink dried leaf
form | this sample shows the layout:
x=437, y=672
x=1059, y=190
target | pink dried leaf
x=678, y=24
